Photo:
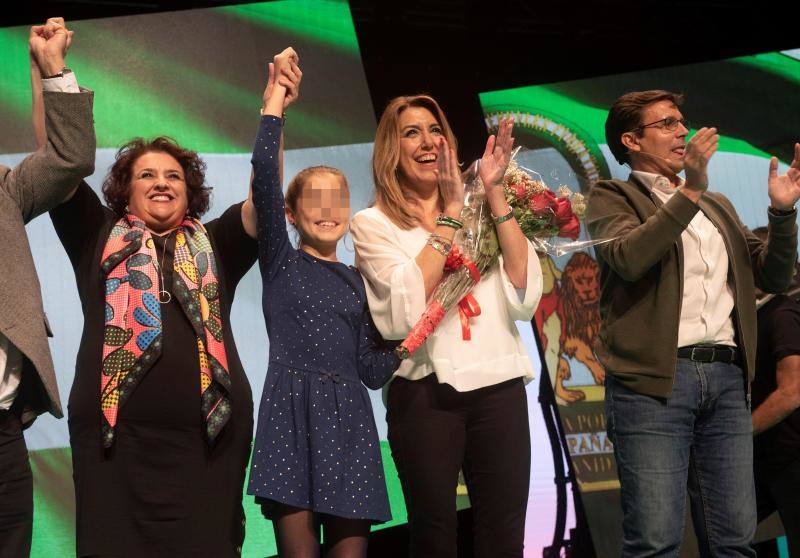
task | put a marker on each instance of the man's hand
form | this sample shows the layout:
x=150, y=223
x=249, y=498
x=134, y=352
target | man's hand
x=784, y=190
x=48, y=45
x=696, y=157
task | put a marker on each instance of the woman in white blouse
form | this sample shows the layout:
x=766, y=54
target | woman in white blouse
x=454, y=403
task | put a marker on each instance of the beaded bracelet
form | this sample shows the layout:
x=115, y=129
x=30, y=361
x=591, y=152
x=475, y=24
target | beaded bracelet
x=440, y=244
x=446, y=221
x=504, y=218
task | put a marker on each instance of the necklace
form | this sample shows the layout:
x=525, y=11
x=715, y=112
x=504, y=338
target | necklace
x=164, y=297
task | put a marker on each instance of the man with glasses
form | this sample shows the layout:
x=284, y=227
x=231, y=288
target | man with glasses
x=678, y=329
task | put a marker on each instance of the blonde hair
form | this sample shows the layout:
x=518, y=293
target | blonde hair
x=295, y=187
x=389, y=195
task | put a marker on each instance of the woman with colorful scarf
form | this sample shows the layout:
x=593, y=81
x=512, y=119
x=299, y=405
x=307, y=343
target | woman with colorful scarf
x=160, y=412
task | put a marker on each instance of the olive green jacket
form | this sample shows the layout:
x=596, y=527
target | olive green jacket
x=641, y=274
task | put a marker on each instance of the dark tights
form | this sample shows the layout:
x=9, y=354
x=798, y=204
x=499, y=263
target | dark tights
x=297, y=533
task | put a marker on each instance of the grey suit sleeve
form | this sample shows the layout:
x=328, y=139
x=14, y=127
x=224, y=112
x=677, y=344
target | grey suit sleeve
x=43, y=179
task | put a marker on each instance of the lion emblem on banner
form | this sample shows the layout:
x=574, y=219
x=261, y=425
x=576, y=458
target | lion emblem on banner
x=568, y=320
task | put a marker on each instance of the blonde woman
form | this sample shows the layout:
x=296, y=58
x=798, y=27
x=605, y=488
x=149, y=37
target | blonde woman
x=454, y=404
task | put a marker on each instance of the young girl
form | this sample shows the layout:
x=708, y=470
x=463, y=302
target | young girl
x=316, y=458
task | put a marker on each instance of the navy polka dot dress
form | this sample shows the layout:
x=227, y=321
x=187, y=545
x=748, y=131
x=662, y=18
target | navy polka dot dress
x=316, y=443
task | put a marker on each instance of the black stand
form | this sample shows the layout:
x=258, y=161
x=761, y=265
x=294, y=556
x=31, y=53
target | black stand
x=579, y=545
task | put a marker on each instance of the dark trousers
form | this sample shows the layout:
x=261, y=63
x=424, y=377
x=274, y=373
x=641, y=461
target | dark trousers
x=434, y=431
x=16, y=490
x=780, y=490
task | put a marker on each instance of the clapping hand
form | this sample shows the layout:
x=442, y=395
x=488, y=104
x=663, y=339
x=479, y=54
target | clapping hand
x=496, y=157
x=784, y=190
x=451, y=187
x=696, y=157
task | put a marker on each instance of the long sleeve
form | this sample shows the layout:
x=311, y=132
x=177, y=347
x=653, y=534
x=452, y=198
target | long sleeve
x=376, y=359
x=43, y=179
x=233, y=247
x=522, y=305
x=636, y=247
x=273, y=238
x=774, y=261
x=77, y=222
x=395, y=287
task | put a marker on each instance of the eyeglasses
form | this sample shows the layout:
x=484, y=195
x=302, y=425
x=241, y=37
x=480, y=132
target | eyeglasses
x=669, y=124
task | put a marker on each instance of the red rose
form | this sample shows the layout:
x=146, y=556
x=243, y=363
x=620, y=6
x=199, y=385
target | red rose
x=519, y=191
x=539, y=203
x=563, y=211
x=571, y=229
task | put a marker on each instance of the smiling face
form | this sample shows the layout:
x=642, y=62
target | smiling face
x=158, y=193
x=656, y=149
x=322, y=211
x=419, y=137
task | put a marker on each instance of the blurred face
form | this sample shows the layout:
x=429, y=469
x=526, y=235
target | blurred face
x=323, y=210
x=158, y=193
x=419, y=137
x=656, y=148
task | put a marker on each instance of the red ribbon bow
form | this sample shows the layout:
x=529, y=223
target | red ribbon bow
x=468, y=307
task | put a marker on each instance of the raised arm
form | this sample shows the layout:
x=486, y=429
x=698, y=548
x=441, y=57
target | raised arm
x=289, y=79
x=37, y=98
x=267, y=194
x=773, y=261
x=637, y=246
x=47, y=177
x=513, y=244
x=430, y=261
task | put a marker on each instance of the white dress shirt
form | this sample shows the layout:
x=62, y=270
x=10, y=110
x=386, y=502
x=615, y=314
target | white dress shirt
x=385, y=256
x=10, y=372
x=707, y=297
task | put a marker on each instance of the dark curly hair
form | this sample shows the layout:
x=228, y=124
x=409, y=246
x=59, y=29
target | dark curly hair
x=116, y=186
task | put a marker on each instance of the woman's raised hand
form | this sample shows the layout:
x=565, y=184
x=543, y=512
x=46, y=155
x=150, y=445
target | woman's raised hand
x=496, y=157
x=451, y=187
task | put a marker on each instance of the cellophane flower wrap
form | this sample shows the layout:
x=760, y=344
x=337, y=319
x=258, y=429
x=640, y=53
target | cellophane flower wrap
x=546, y=218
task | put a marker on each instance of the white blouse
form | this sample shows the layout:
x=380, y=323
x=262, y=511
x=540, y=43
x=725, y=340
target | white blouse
x=385, y=256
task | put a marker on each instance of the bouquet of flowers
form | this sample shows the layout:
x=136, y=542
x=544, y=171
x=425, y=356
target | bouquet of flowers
x=543, y=216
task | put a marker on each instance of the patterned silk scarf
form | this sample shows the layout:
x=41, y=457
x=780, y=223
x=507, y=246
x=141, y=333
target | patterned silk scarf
x=133, y=336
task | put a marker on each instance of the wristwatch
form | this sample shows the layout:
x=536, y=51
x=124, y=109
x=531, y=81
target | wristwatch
x=60, y=74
